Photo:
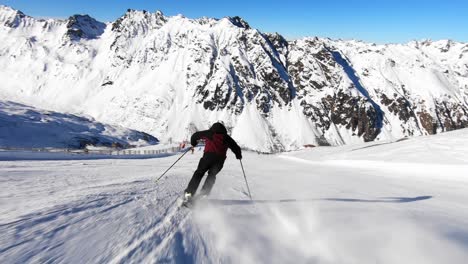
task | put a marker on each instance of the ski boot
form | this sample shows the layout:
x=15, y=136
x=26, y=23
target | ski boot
x=188, y=199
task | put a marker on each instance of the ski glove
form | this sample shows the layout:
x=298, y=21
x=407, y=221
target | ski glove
x=239, y=156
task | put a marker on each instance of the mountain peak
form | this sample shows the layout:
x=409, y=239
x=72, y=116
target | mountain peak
x=10, y=17
x=133, y=13
x=4, y=8
x=278, y=41
x=132, y=17
x=84, y=26
x=239, y=22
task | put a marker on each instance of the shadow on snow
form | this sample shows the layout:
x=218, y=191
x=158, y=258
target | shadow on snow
x=352, y=200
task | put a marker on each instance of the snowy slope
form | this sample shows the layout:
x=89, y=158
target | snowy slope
x=402, y=202
x=27, y=127
x=170, y=76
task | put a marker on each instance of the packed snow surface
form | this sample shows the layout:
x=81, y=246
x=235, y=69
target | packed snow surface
x=402, y=202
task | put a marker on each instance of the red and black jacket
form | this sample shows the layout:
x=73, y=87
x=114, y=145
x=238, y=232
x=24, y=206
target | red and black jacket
x=217, y=141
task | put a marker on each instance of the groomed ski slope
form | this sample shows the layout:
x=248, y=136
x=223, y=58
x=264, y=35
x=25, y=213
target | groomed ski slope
x=403, y=202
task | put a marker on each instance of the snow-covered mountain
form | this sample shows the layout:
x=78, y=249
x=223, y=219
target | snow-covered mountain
x=22, y=126
x=170, y=76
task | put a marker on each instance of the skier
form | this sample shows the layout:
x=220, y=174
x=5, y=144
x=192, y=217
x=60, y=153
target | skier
x=217, y=141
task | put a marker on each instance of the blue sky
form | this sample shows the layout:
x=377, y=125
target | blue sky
x=381, y=21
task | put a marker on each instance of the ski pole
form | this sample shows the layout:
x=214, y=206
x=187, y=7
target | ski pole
x=173, y=164
x=246, y=183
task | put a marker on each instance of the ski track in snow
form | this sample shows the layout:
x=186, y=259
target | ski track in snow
x=325, y=205
x=173, y=219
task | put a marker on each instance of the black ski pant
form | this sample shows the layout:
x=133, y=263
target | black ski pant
x=211, y=163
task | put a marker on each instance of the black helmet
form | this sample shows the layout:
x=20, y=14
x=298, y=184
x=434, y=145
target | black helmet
x=218, y=128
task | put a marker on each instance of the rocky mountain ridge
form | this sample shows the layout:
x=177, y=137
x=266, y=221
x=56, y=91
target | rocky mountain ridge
x=170, y=76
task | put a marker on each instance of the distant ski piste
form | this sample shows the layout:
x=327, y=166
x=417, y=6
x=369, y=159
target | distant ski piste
x=156, y=151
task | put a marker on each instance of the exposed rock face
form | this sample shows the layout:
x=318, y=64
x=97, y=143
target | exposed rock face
x=170, y=76
x=353, y=113
x=84, y=26
x=451, y=115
